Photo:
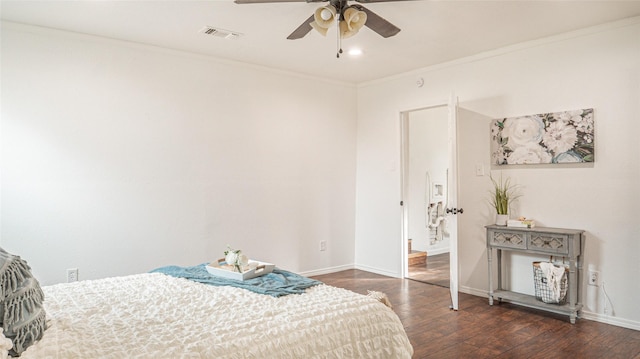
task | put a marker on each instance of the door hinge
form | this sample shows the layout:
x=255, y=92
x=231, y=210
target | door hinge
x=402, y=203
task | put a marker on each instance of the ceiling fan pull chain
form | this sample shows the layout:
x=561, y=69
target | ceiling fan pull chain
x=339, y=37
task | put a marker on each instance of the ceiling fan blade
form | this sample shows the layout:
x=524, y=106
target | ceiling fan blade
x=302, y=30
x=372, y=1
x=271, y=1
x=376, y=23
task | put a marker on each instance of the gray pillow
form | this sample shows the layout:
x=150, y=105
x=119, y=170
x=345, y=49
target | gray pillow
x=21, y=313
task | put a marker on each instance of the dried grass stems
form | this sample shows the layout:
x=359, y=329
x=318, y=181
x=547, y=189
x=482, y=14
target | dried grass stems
x=503, y=194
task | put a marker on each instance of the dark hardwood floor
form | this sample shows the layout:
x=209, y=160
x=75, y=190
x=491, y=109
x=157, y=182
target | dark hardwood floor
x=478, y=330
x=435, y=271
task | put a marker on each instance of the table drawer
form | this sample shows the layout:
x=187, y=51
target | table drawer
x=551, y=243
x=508, y=239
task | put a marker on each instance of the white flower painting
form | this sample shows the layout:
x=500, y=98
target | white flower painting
x=560, y=137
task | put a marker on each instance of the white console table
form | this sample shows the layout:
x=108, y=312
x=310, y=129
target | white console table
x=559, y=242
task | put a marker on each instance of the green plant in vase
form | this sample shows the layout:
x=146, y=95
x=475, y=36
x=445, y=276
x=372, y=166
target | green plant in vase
x=502, y=195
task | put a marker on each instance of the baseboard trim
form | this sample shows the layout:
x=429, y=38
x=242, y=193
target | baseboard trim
x=327, y=270
x=586, y=315
x=607, y=319
x=330, y=270
x=474, y=291
x=433, y=252
x=378, y=271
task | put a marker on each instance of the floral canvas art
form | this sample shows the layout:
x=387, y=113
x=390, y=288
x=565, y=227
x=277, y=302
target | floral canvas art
x=559, y=137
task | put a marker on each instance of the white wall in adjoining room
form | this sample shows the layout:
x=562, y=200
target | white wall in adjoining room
x=428, y=153
x=118, y=158
x=593, y=68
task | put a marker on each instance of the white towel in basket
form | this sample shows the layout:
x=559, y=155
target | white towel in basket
x=554, y=276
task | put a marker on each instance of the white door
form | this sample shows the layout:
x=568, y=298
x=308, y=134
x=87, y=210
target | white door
x=452, y=191
x=452, y=205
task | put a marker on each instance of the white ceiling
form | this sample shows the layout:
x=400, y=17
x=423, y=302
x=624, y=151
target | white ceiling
x=432, y=31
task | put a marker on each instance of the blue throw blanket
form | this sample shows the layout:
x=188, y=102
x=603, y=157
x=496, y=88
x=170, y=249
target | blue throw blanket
x=276, y=284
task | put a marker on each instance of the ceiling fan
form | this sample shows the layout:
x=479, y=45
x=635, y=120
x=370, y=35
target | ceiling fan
x=349, y=19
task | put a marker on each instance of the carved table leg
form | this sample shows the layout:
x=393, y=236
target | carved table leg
x=489, y=255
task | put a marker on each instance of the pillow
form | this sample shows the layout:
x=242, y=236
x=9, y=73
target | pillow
x=21, y=313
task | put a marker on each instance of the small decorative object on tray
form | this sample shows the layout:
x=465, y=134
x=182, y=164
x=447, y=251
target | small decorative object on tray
x=236, y=265
x=235, y=259
x=521, y=222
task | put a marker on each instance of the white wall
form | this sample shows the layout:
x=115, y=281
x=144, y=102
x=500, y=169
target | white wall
x=599, y=68
x=118, y=158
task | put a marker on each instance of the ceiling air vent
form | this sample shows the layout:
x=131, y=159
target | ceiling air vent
x=225, y=34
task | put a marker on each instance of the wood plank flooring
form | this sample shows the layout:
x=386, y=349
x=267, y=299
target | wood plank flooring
x=434, y=271
x=478, y=330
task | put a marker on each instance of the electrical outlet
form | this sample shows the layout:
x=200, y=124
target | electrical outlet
x=72, y=275
x=594, y=277
x=323, y=246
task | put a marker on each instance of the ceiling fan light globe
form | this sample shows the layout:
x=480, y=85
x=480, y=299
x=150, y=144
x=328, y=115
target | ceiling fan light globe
x=324, y=16
x=355, y=18
x=345, y=31
x=322, y=30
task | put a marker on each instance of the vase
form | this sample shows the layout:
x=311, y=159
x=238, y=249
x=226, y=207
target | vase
x=501, y=219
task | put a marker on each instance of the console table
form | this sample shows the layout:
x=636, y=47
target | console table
x=568, y=243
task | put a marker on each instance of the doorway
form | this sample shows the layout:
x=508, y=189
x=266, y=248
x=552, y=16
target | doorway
x=426, y=176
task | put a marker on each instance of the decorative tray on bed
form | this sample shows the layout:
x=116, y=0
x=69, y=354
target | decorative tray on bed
x=220, y=268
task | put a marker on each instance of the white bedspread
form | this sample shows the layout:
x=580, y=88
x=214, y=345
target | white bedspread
x=157, y=316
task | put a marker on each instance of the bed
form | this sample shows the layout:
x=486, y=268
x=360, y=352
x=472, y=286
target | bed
x=154, y=315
